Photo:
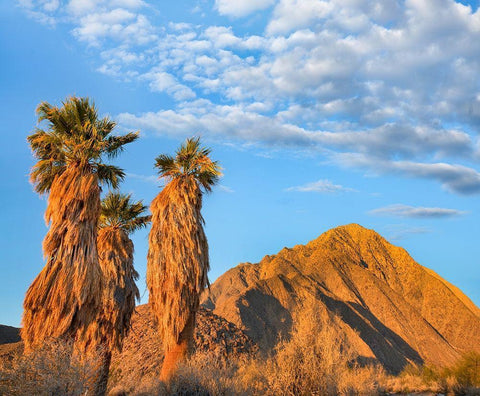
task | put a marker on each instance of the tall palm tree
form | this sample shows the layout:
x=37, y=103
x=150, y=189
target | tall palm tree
x=120, y=216
x=178, y=263
x=64, y=299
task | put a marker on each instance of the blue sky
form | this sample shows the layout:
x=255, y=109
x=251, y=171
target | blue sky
x=322, y=113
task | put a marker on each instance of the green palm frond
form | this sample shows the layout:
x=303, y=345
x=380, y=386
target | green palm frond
x=115, y=144
x=167, y=166
x=190, y=160
x=75, y=135
x=110, y=175
x=118, y=210
x=43, y=174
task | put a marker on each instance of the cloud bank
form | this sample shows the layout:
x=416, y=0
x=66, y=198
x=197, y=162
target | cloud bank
x=321, y=186
x=399, y=210
x=388, y=87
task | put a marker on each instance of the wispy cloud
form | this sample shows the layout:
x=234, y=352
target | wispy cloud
x=226, y=189
x=400, y=210
x=145, y=178
x=456, y=178
x=242, y=8
x=398, y=232
x=321, y=186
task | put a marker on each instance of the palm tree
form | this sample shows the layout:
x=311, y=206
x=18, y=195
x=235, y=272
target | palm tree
x=64, y=299
x=120, y=216
x=178, y=263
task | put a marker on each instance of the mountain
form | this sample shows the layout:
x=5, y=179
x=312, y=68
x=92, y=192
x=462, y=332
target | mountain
x=9, y=340
x=393, y=310
x=9, y=334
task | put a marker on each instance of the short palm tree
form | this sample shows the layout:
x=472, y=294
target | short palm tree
x=64, y=299
x=120, y=216
x=178, y=263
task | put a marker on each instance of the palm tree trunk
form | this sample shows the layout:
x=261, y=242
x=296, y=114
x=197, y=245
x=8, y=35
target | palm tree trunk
x=179, y=352
x=98, y=385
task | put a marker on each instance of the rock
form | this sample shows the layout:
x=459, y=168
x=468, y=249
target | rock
x=142, y=354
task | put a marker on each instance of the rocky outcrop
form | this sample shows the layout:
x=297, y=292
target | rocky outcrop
x=392, y=309
x=142, y=354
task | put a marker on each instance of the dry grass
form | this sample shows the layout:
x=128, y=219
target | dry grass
x=62, y=300
x=51, y=370
x=315, y=361
x=318, y=360
x=317, y=368
x=177, y=257
x=202, y=374
x=463, y=378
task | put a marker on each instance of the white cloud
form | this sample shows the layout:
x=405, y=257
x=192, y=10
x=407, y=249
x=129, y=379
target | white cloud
x=132, y=4
x=390, y=86
x=221, y=36
x=165, y=82
x=321, y=186
x=83, y=7
x=297, y=14
x=226, y=189
x=400, y=210
x=80, y=7
x=51, y=5
x=398, y=232
x=241, y=8
x=246, y=122
x=453, y=177
x=118, y=24
x=148, y=179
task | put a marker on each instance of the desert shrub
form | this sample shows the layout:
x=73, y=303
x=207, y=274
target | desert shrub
x=467, y=370
x=50, y=370
x=411, y=380
x=318, y=360
x=463, y=378
x=203, y=374
x=415, y=379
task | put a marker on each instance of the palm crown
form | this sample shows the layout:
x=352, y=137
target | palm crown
x=75, y=136
x=190, y=160
x=119, y=211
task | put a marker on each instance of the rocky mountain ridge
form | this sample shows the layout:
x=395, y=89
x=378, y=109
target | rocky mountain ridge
x=394, y=311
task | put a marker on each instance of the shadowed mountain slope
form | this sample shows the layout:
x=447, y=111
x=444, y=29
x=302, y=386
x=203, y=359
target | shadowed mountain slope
x=9, y=340
x=392, y=309
x=9, y=334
